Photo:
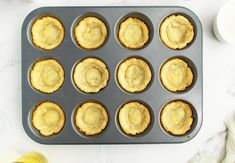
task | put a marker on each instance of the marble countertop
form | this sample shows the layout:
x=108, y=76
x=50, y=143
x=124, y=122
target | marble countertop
x=219, y=90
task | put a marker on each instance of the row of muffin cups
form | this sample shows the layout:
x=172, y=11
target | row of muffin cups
x=134, y=118
x=91, y=32
x=134, y=75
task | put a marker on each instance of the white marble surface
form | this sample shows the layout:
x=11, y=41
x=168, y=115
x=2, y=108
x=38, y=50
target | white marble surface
x=219, y=90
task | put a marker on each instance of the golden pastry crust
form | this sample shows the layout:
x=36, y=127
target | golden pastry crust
x=48, y=118
x=176, y=75
x=47, y=33
x=133, y=33
x=176, y=117
x=91, y=118
x=134, y=118
x=47, y=76
x=134, y=75
x=91, y=75
x=176, y=32
x=91, y=33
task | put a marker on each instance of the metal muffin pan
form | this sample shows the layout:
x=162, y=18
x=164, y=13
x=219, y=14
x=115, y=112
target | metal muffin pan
x=112, y=53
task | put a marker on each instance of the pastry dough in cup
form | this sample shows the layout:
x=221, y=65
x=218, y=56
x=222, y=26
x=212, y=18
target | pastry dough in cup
x=176, y=75
x=47, y=76
x=134, y=75
x=91, y=118
x=176, y=32
x=133, y=33
x=91, y=75
x=177, y=117
x=47, y=33
x=48, y=118
x=91, y=33
x=134, y=118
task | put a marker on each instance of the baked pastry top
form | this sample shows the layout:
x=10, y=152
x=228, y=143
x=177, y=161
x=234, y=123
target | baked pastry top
x=133, y=33
x=91, y=33
x=91, y=75
x=47, y=76
x=91, y=118
x=176, y=31
x=47, y=33
x=134, y=118
x=134, y=75
x=48, y=118
x=176, y=117
x=176, y=75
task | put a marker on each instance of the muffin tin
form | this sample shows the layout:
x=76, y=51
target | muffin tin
x=112, y=53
